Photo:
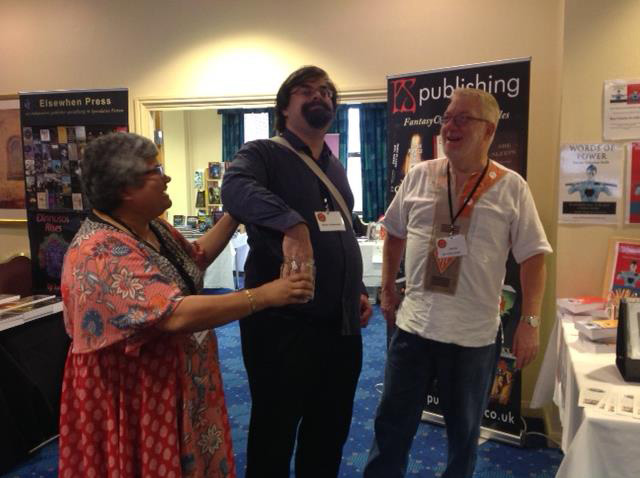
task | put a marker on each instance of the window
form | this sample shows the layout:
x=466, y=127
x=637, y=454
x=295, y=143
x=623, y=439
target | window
x=256, y=126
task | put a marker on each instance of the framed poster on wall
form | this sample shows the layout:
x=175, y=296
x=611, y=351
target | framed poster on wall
x=12, y=195
x=622, y=277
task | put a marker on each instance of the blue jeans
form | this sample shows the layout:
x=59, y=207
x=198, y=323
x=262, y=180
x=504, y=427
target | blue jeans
x=464, y=377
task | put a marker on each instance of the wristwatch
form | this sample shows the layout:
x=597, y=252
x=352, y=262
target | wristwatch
x=532, y=320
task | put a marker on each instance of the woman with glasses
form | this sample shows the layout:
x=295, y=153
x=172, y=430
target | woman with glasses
x=142, y=393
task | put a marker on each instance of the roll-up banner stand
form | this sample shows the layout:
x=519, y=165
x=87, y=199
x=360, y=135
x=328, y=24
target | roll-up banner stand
x=416, y=102
x=56, y=127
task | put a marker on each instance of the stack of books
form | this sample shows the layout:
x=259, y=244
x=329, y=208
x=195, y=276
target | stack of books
x=597, y=330
x=19, y=311
x=590, y=306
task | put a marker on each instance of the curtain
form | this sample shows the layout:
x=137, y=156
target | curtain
x=373, y=154
x=341, y=126
x=272, y=121
x=232, y=132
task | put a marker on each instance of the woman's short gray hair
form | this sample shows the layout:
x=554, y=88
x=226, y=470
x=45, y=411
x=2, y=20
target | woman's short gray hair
x=112, y=163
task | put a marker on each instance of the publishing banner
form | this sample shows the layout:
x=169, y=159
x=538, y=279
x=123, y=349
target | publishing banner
x=56, y=127
x=416, y=103
x=591, y=183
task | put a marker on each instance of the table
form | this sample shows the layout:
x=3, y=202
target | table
x=241, y=250
x=220, y=274
x=371, y=252
x=596, y=444
x=32, y=358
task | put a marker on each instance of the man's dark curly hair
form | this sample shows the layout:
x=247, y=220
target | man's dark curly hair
x=297, y=78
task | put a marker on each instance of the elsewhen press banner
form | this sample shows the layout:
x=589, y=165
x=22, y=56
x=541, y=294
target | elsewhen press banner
x=56, y=127
x=416, y=103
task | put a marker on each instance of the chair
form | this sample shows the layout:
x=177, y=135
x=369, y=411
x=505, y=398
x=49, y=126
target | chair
x=15, y=276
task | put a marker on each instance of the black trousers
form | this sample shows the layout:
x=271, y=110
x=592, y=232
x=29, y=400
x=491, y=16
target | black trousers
x=302, y=376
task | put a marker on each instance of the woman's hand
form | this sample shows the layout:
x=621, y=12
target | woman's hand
x=295, y=289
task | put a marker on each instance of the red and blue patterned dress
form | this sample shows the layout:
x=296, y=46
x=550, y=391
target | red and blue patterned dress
x=137, y=401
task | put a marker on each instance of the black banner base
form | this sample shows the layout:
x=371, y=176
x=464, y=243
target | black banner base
x=485, y=432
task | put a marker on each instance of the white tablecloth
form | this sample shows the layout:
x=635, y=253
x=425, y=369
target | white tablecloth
x=241, y=249
x=219, y=274
x=596, y=444
x=371, y=262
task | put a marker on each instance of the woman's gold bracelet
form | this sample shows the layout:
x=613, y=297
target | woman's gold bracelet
x=252, y=301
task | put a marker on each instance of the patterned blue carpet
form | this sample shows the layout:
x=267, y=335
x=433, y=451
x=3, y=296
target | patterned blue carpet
x=428, y=455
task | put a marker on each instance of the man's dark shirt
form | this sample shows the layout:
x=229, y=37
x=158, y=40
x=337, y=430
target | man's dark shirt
x=270, y=189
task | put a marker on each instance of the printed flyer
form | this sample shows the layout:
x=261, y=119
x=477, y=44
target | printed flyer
x=591, y=185
x=621, y=110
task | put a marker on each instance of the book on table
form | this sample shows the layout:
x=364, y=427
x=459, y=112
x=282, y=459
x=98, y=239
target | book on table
x=29, y=311
x=598, y=329
x=31, y=299
x=4, y=298
x=582, y=304
x=9, y=318
x=35, y=310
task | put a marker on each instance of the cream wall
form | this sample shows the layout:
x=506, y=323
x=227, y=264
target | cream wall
x=177, y=158
x=192, y=139
x=219, y=48
x=601, y=43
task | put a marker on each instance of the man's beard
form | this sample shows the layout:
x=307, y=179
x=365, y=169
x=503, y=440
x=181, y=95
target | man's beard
x=317, y=114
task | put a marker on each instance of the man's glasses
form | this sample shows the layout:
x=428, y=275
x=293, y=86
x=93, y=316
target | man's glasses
x=461, y=120
x=308, y=91
x=157, y=169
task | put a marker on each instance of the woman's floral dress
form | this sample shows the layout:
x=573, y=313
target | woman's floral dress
x=136, y=401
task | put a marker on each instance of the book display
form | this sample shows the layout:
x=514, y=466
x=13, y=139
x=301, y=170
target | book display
x=215, y=172
x=592, y=318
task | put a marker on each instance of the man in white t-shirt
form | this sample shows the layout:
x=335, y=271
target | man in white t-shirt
x=455, y=218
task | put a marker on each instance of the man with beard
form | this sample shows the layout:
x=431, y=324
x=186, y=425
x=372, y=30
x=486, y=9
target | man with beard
x=303, y=362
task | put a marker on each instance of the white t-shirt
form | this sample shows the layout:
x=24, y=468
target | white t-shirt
x=504, y=217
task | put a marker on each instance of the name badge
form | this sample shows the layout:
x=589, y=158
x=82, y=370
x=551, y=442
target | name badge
x=329, y=221
x=451, y=246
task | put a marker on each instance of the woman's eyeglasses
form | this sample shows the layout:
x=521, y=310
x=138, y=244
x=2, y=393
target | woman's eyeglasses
x=157, y=169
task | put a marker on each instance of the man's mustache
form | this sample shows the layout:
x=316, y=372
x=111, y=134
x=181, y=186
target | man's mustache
x=317, y=103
